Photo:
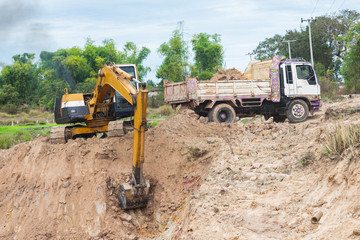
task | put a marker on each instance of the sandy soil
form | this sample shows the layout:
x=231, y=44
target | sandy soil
x=229, y=74
x=249, y=180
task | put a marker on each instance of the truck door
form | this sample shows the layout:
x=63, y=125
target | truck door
x=289, y=87
x=305, y=80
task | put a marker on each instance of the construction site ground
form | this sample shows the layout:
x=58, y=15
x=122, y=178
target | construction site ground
x=253, y=179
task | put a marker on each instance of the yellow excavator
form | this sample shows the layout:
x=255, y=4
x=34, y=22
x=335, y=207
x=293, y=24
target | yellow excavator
x=116, y=84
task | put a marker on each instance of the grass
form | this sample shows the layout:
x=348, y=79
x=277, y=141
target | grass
x=25, y=127
x=10, y=136
x=344, y=137
x=165, y=110
x=306, y=159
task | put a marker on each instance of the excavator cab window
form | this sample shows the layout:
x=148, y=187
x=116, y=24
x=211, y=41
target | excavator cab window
x=122, y=108
x=129, y=70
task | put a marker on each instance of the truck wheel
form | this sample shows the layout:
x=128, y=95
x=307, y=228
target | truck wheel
x=298, y=111
x=210, y=115
x=222, y=113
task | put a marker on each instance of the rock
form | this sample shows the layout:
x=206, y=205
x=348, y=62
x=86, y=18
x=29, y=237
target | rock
x=125, y=217
x=203, y=119
x=126, y=224
x=356, y=232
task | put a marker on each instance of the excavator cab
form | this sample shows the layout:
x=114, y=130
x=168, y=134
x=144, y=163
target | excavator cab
x=122, y=108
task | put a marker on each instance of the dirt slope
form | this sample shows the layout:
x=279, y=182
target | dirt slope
x=209, y=181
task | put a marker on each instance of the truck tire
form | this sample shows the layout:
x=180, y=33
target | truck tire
x=222, y=113
x=210, y=115
x=298, y=111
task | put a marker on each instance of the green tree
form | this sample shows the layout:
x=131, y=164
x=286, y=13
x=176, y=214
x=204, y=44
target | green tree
x=150, y=84
x=175, y=52
x=77, y=68
x=69, y=65
x=328, y=45
x=23, y=77
x=134, y=56
x=209, y=55
x=8, y=94
x=351, y=65
x=269, y=48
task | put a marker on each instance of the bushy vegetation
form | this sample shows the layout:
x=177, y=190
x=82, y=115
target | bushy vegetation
x=344, y=137
x=165, y=110
x=156, y=101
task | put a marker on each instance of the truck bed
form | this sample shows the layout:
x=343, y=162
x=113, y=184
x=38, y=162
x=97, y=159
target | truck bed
x=192, y=89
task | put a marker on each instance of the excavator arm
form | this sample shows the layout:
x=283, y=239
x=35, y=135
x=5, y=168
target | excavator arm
x=111, y=78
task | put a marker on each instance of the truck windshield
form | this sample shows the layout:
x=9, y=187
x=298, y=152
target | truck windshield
x=306, y=72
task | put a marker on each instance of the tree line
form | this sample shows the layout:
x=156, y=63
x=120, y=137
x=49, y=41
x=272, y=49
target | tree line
x=336, y=47
x=38, y=83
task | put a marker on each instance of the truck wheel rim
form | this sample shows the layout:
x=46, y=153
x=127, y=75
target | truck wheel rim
x=223, y=116
x=298, y=110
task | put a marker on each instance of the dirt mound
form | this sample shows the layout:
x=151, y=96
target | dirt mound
x=229, y=74
x=274, y=179
x=254, y=179
x=69, y=190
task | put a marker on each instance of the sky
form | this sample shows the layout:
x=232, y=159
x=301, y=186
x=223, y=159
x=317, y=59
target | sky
x=46, y=25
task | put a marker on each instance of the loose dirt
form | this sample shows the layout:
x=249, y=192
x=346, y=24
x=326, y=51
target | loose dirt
x=254, y=179
x=229, y=74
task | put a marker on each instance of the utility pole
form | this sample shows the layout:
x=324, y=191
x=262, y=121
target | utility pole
x=250, y=54
x=311, y=50
x=289, y=41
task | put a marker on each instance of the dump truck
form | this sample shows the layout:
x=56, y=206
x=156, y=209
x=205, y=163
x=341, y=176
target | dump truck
x=280, y=88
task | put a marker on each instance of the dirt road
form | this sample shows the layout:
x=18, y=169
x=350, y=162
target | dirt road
x=249, y=180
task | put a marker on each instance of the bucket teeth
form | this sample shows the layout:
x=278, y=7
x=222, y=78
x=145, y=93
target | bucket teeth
x=131, y=197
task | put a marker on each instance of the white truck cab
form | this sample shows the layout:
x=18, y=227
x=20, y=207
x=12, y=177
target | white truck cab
x=300, y=79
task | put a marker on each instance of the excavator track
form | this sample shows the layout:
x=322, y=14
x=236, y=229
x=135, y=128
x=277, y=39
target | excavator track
x=57, y=135
x=119, y=128
x=116, y=129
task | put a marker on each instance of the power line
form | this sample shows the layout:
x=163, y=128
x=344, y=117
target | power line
x=331, y=6
x=341, y=4
x=314, y=8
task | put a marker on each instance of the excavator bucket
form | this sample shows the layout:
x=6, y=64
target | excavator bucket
x=132, y=197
